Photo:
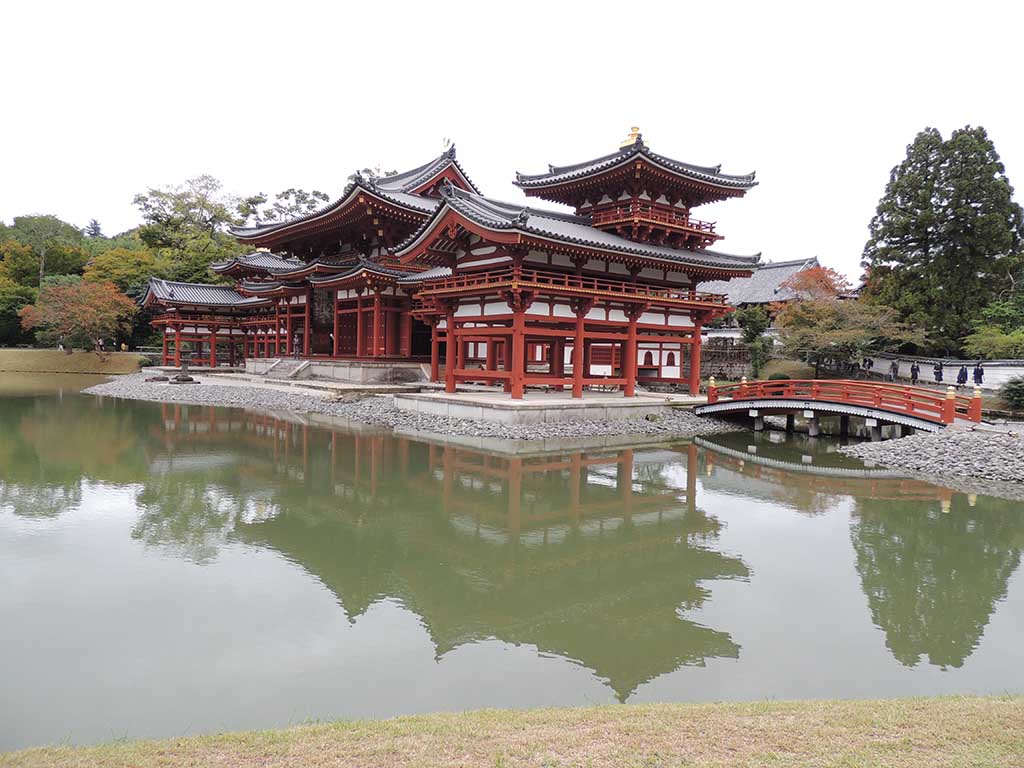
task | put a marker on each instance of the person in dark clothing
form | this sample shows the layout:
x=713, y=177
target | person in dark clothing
x=937, y=372
x=894, y=370
x=979, y=374
x=915, y=372
x=961, y=376
x=296, y=343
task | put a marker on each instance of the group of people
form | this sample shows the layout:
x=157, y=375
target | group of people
x=938, y=372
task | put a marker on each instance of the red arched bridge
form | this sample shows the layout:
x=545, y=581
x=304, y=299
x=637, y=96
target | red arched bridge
x=876, y=402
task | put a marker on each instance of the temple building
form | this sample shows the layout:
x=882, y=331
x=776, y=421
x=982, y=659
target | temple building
x=420, y=266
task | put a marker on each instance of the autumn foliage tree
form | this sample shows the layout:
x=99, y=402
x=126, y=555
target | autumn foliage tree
x=79, y=312
x=817, y=283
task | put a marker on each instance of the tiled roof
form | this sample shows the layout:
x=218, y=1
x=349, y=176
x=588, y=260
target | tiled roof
x=364, y=265
x=762, y=287
x=396, y=189
x=708, y=174
x=429, y=274
x=568, y=228
x=257, y=260
x=170, y=292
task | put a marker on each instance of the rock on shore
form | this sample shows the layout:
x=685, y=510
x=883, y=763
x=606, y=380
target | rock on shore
x=987, y=455
x=380, y=411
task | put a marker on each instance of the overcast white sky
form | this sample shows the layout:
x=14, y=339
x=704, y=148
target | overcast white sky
x=102, y=100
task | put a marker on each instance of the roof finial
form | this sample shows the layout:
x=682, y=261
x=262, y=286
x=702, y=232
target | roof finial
x=633, y=138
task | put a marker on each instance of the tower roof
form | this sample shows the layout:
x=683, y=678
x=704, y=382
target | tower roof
x=704, y=183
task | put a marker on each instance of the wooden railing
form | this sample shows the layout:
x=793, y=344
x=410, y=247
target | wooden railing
x=529, y=278
x=939, y=407
x=650, y=212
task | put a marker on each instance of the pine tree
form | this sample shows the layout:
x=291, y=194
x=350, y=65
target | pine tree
x=946, y=235
x=93, y=229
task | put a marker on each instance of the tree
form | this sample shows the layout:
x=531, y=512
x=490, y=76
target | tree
x=79, y=311
x=127, y=269
x=20, y=263
x=840, y=331
x=946, y=235
x=754, y=321
x=93, y=229
x=13, y=298
x=188, y=225
x=999, y=331
x=817, y=283
x=289, y=204
x=45, y=234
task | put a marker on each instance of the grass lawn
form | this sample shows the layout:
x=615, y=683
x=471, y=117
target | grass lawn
x=795, y=369
x=918, y=733
x=55, y=361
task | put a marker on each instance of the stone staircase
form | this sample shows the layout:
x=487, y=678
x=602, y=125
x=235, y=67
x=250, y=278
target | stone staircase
x=285, y=369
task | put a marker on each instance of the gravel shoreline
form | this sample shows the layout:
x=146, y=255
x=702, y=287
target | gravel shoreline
x=379, y=410
x=979, y=455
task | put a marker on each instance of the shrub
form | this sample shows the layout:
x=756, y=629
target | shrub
x=778, y=377
x=1012, y=393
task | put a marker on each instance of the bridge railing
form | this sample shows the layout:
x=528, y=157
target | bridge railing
x=923, y=403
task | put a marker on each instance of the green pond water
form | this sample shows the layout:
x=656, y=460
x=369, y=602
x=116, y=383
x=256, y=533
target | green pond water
x=171, y=570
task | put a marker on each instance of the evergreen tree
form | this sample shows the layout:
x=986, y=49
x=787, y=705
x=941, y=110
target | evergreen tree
x=93, y=229
x=946, y=235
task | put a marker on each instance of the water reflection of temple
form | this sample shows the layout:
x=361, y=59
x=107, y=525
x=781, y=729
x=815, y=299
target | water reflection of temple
x=593, y=556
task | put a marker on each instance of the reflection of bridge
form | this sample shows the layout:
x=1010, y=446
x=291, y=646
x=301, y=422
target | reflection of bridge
x=876, y=402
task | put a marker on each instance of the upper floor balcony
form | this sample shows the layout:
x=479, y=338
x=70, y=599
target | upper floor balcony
x=655, y=222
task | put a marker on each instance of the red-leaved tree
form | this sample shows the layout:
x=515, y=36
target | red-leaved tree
x=817, y=283
x=79, y=312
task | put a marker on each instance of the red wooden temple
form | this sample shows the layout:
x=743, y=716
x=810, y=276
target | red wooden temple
x=421, y=266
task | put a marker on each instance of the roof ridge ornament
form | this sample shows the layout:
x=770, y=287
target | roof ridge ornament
x=523, y=216
x=635, y=139
x=446, y=188
x=450, y=152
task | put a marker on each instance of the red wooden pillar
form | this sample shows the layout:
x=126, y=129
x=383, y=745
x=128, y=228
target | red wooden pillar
x=288, y=328
x=307, y=327
x=334, y=352
x=578, y=344
x=360, y=341
x=518, y=351
x=231, y=348
x=163, y=338
x=277, y=329
x=405, y=332
x=213, y=347
x=629, y=363
x=177, y=346
x=449, y=360
x=492, y=354
x=695, y=360
x=435, y=354
x=378, y=330
x=558, y=362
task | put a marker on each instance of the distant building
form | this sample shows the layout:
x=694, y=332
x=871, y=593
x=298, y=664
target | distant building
x=765, y=287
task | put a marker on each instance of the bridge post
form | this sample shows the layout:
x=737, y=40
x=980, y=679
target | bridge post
x=844, y=425
x=712, y=391
x=949, y=406
x=813, y=426
x=874, y=429
x=758, y=420
x=974, y=412
x=790, y=422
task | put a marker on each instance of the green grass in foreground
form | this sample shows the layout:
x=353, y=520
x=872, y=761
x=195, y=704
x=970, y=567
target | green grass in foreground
x=55, y=361
x=951, y=731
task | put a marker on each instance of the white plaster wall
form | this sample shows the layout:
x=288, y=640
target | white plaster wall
x=561, y=310
x=496, y=308
x=671, y=372
x=680, y=321
x=650, y=317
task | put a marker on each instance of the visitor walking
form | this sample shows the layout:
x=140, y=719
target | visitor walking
x=295, y=346
x=979, y=374
x=961, y=376
x=915, y=372
x=937, y=372
x=894, y=370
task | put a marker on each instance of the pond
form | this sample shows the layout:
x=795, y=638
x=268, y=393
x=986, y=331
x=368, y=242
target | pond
x=169, y=570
